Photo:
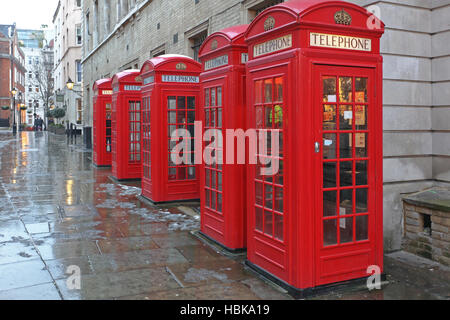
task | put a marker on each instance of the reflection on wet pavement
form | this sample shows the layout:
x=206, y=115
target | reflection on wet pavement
x=57, y=210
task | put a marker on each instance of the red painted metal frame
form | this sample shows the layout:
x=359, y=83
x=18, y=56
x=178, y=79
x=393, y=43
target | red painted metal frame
x=156, y=185
x=228, y=225
x=299, y=260
x=126, y=90
x=102, y=142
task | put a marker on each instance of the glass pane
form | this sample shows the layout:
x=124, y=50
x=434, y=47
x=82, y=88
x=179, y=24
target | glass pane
x=207, y=178
x=279, y=89
x=329, y=146
x=268, y=222
x=172, y=173
x=219, y=117
x=268, y=196
x=219, y=96
x=259, y=117
x=191, y=117
x=181, y=103
x=258, y=219
x=213, y=179
x=258, y=193
x=362, y=228
x=279, y=199
x=361, y=118
x=219, y=181
x=191, y=172
x=213, y=96
x=208, y=198
x=172, y=117
x=279, y=175
x=346, y=202
x=329, y=232
x=346, y=229
x=191, y=103
x=361, y=145
x=329, y=117
x=171, y=103
x=181, y=116
x=329, y=174
x=219, y=202
x=207, y=119
x=258, y=91
x=346, y=173
x=206, y=97
x=361, y=201
x=278, y=227
x=278, y=116
x=212, y=117
x=329, y=203
x=213, y=200
x=361, y=89
x=345, y=89
x=268, y=90
x=361, y=173
x=329, y=89
x=268, y=117
x=345, y=145
x=345, y=118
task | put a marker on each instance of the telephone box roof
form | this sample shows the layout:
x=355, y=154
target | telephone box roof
x=159, y=61
x=126, y=76
x=102, y=84
x=315, y=12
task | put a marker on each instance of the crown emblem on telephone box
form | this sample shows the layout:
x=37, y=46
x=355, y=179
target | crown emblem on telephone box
x=343, y=17
x=269, y=24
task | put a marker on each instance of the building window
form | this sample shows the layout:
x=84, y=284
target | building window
x=79, y=111
x=78, y=35
x=78, y=3
x=257, y=9
x=78, y=63
x=196, y=43
x=175, y=38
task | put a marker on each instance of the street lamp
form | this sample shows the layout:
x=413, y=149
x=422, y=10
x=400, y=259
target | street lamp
x=20, y=111
x=69, y=84
x=14, y=92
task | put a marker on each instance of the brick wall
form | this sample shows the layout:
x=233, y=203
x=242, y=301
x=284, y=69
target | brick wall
x=427, y=232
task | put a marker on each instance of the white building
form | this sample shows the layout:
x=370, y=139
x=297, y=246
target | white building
x=67, y=60
x=36, y=44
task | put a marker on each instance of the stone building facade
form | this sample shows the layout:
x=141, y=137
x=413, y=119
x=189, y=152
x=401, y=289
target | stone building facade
x=122, y=34
x=67, y=59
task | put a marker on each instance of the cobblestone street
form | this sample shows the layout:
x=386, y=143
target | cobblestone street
x=57, y=210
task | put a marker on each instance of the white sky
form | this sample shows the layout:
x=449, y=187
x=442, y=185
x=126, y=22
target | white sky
x=27, y=14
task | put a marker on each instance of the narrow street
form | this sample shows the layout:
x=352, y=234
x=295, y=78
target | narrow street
x=57, y=211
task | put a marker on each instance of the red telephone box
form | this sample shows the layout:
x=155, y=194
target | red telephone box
x=222, y=185
x=171, y=98
x=126, y=126
x=102, y=123
x=315, y=74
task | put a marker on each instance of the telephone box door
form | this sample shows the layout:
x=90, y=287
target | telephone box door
x=214, y=223
x=268, y=214
x=344, y=103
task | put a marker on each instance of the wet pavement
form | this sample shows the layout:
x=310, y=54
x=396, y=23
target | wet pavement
x=59, y=214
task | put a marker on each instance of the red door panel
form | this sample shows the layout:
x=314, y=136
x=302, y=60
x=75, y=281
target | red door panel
x=345, y=166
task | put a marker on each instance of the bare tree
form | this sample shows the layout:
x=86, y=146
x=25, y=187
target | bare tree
x=42, y=79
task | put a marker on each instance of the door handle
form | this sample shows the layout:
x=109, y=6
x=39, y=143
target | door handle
x=317, y=147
